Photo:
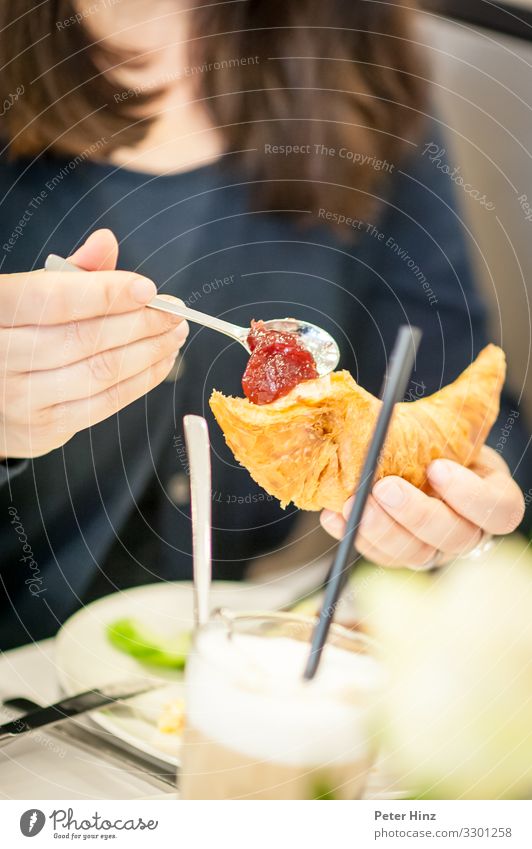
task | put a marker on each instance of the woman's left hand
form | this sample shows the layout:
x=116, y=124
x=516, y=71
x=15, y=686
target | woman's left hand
x=402, y=526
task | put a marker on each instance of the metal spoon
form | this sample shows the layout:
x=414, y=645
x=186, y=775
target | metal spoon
x=321, y=344
x=199, y=459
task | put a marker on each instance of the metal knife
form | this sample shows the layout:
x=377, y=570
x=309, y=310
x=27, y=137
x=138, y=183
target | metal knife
x=73, y=706
x=95, y=741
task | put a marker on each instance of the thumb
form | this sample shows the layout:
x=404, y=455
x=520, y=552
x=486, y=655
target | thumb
x=98, y=253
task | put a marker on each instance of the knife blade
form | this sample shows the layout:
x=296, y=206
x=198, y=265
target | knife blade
x=73, y=706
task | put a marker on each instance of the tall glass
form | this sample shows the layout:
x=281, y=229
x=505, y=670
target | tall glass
x=256, y=730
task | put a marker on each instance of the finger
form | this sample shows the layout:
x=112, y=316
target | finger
x=495, y=503
x=43, y=347
x=400, y=549
x=333, y=523
x=376, y=555
x=489, y=461
x=43, y=389
x=382, y=533
x=98, y=253
x=48, y=297
x=90, y=411
x=428, y=519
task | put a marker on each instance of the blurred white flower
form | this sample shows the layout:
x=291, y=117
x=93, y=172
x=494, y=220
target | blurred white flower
x=457, y=713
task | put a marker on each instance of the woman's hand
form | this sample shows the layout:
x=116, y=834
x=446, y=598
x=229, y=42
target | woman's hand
x=403, y=526
x=75, y=348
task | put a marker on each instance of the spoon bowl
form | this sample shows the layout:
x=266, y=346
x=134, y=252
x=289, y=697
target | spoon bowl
x=315, y=339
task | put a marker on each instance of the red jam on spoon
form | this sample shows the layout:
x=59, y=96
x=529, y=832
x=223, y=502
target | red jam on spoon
x=278, y=362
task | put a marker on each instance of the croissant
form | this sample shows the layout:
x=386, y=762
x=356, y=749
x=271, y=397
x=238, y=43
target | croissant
x=308, y=447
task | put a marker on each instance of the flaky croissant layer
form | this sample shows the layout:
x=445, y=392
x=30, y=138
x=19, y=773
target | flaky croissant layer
x=309, y=446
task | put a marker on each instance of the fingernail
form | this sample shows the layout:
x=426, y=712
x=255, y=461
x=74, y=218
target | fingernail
x=179, y=330
x=328, y=516
x=142, y=290
x=439, y=472
x=389, y=493
x=179, y=335
x=333, y=523
x=346, y=509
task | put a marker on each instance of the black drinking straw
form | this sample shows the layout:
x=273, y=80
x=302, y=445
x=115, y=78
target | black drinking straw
x=397, y=377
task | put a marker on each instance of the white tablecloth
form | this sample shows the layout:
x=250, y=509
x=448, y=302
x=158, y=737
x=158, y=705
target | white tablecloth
x=41, y=767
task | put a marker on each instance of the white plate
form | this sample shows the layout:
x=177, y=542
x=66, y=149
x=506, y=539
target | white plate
x=86, y=659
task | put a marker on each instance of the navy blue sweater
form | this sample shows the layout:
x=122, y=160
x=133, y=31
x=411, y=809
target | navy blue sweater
x=119, y=490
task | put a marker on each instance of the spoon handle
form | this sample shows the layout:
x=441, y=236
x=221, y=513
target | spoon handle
x=199, y=459
x=167, y=303
x=239, y=334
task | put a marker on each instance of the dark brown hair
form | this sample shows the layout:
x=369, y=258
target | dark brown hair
x=341, y=79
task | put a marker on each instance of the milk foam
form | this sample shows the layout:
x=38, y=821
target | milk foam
x=247, y=694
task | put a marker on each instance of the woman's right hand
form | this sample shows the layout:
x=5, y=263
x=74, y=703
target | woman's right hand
x=75, y=348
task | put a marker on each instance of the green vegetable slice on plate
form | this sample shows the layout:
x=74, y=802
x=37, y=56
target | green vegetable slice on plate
x=135, y=639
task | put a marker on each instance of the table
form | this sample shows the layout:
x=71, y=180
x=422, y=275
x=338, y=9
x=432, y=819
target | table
x=43, y=767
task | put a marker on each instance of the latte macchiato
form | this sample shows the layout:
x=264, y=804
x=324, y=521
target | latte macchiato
x=256, y=730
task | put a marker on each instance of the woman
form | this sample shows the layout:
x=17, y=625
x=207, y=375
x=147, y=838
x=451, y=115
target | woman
x=255, y=159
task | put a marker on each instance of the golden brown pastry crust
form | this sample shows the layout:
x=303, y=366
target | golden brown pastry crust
x=309, y=446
